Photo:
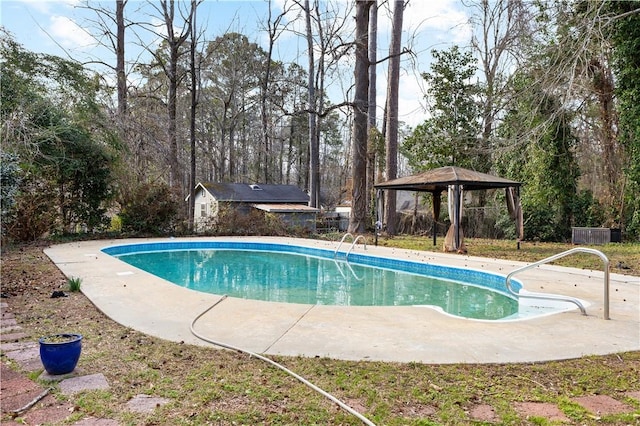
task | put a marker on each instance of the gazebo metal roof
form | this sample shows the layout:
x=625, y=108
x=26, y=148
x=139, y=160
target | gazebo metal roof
x=438, y=180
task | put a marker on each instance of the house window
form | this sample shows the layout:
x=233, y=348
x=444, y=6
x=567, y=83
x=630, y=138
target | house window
x=203, y=210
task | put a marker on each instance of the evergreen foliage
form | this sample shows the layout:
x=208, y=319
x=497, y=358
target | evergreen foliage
x=10, y=178
x=52, y=121
x=450, y=136
x=543, y=161
x=625, y=36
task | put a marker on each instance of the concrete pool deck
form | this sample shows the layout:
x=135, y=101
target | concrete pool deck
x=151, y=305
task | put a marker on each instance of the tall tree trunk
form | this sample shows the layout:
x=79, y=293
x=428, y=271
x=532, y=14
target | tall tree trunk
x=174, y=42
x=603, y=86
x=314, y=143
x=271, y=168
x=371, y=124
x=120, y=72
x=357, y=220
x=264, y=154
x=392, y=114
x=192, y=121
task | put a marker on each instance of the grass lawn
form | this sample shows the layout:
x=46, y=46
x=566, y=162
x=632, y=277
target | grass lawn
x=624, y=258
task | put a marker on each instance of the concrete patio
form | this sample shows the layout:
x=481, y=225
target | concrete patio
x=154, y=306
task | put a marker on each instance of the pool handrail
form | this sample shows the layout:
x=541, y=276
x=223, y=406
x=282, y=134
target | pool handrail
x=355, y=240
x=598, y=253
x=344, y=237
x=354, y=243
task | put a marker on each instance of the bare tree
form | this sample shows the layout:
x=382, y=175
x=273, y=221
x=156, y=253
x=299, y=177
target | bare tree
x=274, y=29
x=372, y=131
x=393, y=87
x=174, y=42
x=122, y=77
x=502, y=28
x=325, y=48
x=314, y=144
x=193, y=72
x=114, y=40
x=357, y=220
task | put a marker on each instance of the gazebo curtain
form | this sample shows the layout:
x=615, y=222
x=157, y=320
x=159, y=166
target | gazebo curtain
x=454, y=240
x=514, y=206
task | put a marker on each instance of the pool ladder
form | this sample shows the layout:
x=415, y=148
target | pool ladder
x=598, y=253
x=355, y=241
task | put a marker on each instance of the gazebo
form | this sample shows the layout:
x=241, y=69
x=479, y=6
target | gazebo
x=455, y=180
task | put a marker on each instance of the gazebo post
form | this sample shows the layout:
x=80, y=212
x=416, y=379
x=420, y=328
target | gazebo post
x=436, y=213
x=456, y=213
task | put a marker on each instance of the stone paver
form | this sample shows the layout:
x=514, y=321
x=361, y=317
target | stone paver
x=14, y=346
x=92, y=421
x=145, y=403
x=31, y=365
x=82, y=383
x=7, y=374
x=25, y=354
x=13, y=337
x=52, y=412
x=17, y=392
x=46, y=377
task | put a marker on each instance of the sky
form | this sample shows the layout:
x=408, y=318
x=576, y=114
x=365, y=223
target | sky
x=63, y=28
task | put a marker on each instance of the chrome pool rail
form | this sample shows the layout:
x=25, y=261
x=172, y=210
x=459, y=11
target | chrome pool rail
x=598, y=253
x=355, y=240
x=364, y=241
x=344, y=237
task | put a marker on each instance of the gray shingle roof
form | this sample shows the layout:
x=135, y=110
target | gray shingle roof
x=259, y=193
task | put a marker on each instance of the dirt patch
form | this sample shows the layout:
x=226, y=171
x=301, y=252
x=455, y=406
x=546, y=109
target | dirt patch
x=540, y=409
x=239, y=404
x=602, y=405
x=416, y=411
x=483, y=413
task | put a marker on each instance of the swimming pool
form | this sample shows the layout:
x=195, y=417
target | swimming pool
x=151, y=305
x=294, y=274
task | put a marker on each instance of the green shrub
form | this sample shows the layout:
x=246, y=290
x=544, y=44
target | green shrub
x=35, y=212
x=233, y=221
x=587, y=211
x=149, y=209
x=540, y=223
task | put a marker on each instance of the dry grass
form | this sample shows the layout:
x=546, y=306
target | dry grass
x=211, y=386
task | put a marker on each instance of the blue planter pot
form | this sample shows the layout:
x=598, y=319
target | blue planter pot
x=60, y=353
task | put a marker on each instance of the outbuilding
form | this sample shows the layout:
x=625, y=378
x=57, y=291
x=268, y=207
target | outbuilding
x=288, y=202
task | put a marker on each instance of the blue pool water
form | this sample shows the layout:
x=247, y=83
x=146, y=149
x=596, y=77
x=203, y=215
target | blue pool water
x=284, y=273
